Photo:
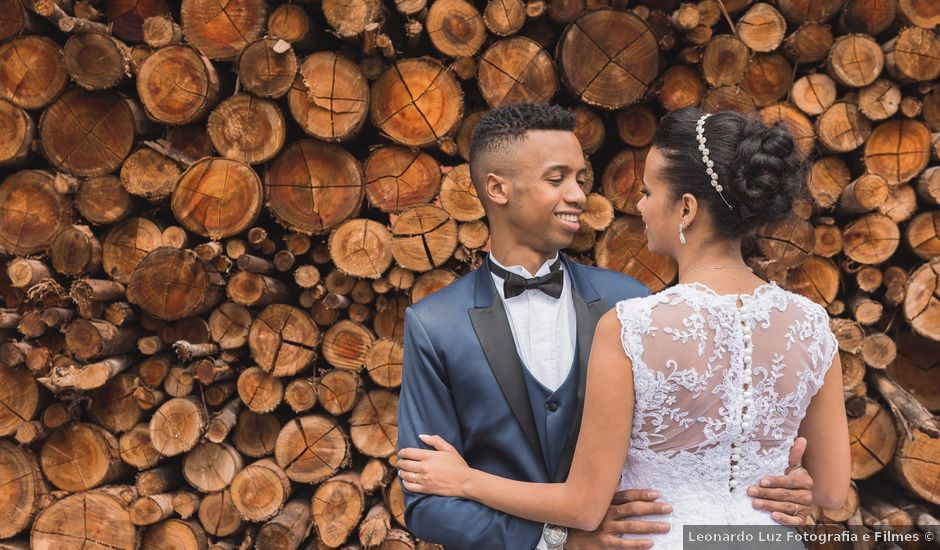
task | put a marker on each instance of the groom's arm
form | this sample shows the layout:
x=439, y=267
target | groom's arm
x=426, y=406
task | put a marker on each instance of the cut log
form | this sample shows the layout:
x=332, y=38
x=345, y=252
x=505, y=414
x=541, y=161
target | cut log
x=160, y=31
x=373, y=425
x=423, y=237
x=260, y=490
x=350, y=20
x=291, y=23
x=337, y=506
x=92, y=339
x=113, y=405
x=898, y=150
x=339, y=390
x=19, y=397
x=923, y=235
x=96, y=61
x=880, y=99
x=871, y=239
x=374, y=527
x=283, y=339
x=504, y=17
x=867, y=312
x=19, y=132
x=218, y=515
x=873, y=440
x=455, y=28
x=725, y=60
x=855, y=60
x=761, y=28
x=211, y=467
x=220, y=32
x=361, y=248
x=916, y=367
x=229, y=325
x=288, y=529
x=878, y=350
x=864, y=194
x=177, y=84
x=76, y=522
x=516, y=70
x=174, y=533
x=301, y=394
x=247, y=129
x=910, y=56
x=149, y=174
x=430, y=282
x=398, y=178
x=622, y=247
x=252, y=289
x=922, y=300
x=809, y=43
x=814, y=93
x=330, y=97
x=842, y=127
x=416, y=102
x=80, y=456
x=312, y=448
x=266, y=70
x=136, y=448
x=816, y=278
x=33, y=73
x=384, y=363
x=23, y=488
x=172, y=284
x=260, y=391
x=901, y=203
x=311, y=187
x=459, y=195
x=346, y=344
x=177, y=426
x=33, y=213
x=75, y=251
x=103, y=200
x=151, y=509
x=217, y=198
x=587, y=47
x=915, y=466
x=256, y=434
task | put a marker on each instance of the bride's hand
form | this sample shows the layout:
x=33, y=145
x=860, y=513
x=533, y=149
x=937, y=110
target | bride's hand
x=439, y=472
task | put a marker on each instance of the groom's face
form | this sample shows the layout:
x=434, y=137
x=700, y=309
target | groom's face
x=543, y=190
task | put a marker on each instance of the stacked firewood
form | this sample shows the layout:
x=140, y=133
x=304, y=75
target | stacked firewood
x=213, y=216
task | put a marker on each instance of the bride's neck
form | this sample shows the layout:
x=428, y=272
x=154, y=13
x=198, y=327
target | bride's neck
x=694, y=257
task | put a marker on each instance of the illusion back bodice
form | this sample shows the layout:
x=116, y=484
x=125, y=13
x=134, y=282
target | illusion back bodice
x=721, y=383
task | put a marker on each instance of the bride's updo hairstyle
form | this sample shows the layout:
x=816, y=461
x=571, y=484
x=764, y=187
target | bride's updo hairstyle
x=760, y=169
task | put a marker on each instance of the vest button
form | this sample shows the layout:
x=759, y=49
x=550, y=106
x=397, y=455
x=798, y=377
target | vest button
x=552, y=407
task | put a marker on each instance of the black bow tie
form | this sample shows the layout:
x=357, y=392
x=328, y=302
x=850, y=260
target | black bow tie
x=514, y=285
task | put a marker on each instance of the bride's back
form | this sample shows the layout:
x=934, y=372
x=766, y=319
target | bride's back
x=722, y=383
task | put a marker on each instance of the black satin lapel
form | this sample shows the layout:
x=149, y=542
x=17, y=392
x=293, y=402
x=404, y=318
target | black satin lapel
x=492, y=328
x=588, y=314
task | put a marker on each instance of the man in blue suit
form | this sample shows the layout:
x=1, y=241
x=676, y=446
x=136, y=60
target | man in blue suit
x=496, y=362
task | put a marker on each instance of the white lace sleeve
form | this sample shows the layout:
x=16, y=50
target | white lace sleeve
x=828, y=343
x=634, y=321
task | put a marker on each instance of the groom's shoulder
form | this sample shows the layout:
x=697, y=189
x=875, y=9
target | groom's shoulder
x=613, y=283
x=448, y=300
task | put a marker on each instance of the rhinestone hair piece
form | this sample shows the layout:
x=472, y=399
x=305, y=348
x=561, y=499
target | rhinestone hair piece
x=709, y=164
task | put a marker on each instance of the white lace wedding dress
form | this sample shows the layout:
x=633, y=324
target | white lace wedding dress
x=706, y=426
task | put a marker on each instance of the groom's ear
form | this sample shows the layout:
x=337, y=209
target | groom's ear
x=496, y=188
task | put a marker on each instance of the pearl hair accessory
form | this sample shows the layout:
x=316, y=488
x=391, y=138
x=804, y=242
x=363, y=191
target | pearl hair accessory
x=709, y=164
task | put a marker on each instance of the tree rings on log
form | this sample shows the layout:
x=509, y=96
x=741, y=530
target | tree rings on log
x=516, y=70
x=917, y=367
x=210, y=467
x=623, y=180
x=346, y=344
x=423, y=238
x=384, y=363
x=361, y=248
x=19, y=398
x=32, y=71
x=264, y=71
x=416, y=102
x=373, y=425
x=23, y=487
x=218, y=514
x=126, y=244
x=103, y=201
x=220, y=31
x=171, y=283
x=283, y=340
x=504, y=17
x=177, y=425
x=916, y=465
x=871, y=239
x=32, y=213
x=816, y=278
x=842, y=127
x=398, y=178
x=622, y=247
x=96, y=61
x=912, y=55
x=459, y=195
x=725, y=60
x=18, y=130
x=338, y=391
x=768, y=78
x=762, y=28
x=247, y=129
x=311, y=187
x=855, y=60
x=430, y=282
x=260, y=490
x=455, y=28
x=79, y=456
x=217, y=198
x=922, y=302
x=312, y=448
x=174, y=533
x=127, y=16
x=85, y=520
x=608, y=57
x=814, y=93
x=337, y=506
x=349, y=19
x=898, y=150
x=177, y=84
x=329, y=99
x=873, y=439
x=788, y=242
x=87, y=133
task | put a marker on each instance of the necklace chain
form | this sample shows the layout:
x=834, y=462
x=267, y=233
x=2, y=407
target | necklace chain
x=718, y=266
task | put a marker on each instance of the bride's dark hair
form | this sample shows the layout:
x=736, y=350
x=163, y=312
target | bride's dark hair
x=760, y=169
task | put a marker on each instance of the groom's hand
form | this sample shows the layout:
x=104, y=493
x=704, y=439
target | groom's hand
x=626, y=505
x=790, y=496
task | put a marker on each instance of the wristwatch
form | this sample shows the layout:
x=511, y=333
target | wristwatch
x=555, y=536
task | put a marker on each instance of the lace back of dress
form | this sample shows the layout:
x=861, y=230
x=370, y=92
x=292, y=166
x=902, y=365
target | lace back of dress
x=725, y=379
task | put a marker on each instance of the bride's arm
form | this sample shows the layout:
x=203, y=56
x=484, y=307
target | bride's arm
x=583, y=499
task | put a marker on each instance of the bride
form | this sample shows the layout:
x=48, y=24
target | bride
x=701, y=389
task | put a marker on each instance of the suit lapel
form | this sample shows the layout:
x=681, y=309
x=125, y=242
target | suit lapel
x=588, y=309
x=491, y=325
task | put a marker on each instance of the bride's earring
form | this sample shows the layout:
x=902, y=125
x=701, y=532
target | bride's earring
x=681, y=235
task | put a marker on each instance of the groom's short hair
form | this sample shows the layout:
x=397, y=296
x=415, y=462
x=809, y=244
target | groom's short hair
x=504, y=126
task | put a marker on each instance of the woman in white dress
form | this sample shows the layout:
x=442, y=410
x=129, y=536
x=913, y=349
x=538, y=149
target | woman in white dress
x=701, y=389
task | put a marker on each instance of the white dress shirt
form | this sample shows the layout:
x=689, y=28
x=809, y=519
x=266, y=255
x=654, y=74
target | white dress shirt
x=544, y=329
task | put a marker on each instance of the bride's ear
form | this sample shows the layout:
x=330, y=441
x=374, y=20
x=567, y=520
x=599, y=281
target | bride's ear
x=689, y=205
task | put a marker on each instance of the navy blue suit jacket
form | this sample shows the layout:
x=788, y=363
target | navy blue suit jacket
x=463, y=380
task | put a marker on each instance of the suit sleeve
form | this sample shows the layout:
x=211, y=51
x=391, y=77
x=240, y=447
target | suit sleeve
x=426, y=406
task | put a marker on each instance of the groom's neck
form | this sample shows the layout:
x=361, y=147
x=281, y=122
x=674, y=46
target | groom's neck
x=509, y=254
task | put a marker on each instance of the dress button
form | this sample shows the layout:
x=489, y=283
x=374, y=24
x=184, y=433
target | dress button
x=552, y=407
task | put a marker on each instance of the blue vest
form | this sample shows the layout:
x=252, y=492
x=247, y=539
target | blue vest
x=553, y=412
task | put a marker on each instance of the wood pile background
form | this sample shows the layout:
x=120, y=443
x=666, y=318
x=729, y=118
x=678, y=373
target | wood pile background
x=213, y=216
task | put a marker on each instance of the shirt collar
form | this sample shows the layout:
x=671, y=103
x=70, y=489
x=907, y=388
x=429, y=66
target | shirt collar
x=519, y=270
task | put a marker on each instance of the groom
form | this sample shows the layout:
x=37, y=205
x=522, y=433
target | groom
x=496, y=362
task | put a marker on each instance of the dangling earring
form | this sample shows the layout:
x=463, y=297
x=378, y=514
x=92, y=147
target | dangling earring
x=681, y=235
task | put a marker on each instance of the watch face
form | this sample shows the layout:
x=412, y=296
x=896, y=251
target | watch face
x=555, y=535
